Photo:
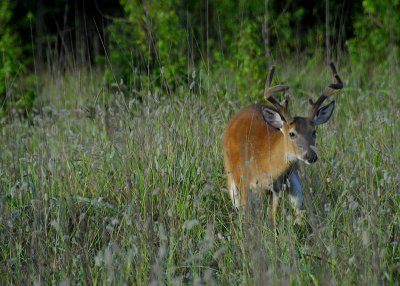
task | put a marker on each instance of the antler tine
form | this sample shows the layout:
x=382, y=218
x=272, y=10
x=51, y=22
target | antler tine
x=332, y=88
x=270, y=76
x=270, y=91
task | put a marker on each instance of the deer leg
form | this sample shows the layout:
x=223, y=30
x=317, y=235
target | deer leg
x=275, y=199
x=275, y=204
x=234, y=194
x=296, y=196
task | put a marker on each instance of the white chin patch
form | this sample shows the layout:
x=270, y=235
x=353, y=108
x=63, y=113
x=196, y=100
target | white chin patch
x=291, y=157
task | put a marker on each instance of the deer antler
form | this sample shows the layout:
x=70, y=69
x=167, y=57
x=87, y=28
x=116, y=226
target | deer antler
x=268, y=94
x=330, y=90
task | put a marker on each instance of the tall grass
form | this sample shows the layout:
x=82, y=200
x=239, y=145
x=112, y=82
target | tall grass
x=102, y=187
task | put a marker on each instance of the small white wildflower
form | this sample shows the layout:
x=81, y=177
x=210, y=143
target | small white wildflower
x=98, y=259
x=189, y=224
x=114, y=221
x=365, y=238
x=55, y=225
x=352, y=260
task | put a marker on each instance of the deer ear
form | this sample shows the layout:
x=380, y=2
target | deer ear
x=272, y=117
x=324, y=113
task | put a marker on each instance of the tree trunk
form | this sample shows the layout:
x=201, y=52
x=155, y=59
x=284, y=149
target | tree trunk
x=265, y=33
x=39, y=31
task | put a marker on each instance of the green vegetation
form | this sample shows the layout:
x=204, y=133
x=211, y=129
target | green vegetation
x=111, y=162
x=9, y=53
x=103, y=189
x=159, y=44
x=378, y=36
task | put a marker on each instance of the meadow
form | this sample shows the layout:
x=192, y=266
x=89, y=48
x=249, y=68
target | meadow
x=105, y=186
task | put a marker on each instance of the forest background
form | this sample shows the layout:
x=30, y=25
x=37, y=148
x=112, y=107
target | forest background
x=163, y=42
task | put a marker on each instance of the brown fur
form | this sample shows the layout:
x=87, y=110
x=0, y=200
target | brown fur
x=254, y=152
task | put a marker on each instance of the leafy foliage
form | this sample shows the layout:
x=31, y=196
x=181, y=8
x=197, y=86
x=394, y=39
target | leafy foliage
x=163, y=43
x=377, y=33
x=149, y=40
x=10, y=51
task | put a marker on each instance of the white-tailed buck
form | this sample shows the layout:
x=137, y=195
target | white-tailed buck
x=263, y=144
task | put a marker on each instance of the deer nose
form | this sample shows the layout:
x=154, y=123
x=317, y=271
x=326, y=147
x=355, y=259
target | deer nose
x=311, y=158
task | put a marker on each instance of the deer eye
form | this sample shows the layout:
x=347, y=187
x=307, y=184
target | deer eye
x=292, y=134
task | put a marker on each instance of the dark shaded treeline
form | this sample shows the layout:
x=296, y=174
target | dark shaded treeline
x=63, y=32
x=70, y=32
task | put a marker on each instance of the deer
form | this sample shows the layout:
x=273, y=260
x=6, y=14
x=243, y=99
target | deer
x=263, y=145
